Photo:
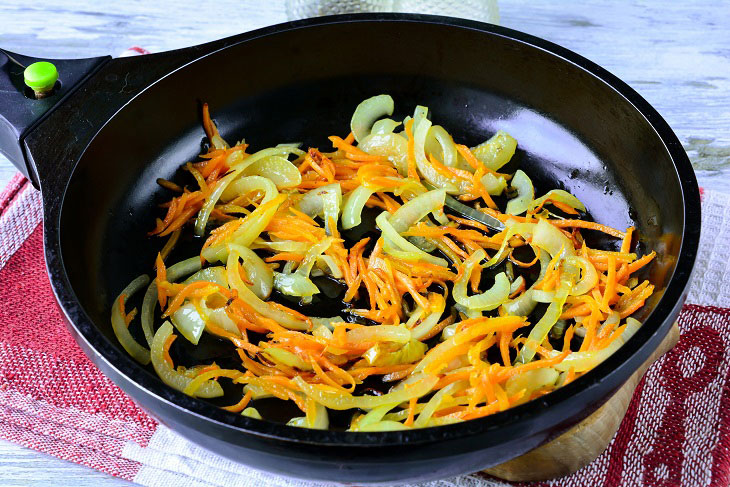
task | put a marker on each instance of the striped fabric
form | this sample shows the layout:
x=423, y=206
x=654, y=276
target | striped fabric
x=53, y=399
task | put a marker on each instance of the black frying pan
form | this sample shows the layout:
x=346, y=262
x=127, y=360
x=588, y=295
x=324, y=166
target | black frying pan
x=96, y=147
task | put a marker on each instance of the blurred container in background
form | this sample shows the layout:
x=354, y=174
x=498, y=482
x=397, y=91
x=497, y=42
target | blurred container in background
x=482, y=10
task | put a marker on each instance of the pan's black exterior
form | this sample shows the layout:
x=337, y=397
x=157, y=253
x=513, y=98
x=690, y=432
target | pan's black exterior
x=99, y=152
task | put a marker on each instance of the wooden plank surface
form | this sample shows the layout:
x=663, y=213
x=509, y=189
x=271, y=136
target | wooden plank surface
x=21, y=467
x=676, y=54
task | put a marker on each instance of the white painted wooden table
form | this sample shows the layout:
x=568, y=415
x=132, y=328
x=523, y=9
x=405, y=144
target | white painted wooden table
x=676, y=54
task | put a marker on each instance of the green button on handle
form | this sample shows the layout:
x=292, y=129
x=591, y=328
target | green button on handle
x=41, y=77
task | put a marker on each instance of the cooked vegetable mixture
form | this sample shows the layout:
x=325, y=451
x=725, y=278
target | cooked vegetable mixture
x=441, y=320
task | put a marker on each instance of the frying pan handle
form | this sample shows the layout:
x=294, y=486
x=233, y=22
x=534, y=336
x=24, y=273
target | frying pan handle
x=47, y=146
x=21, y=111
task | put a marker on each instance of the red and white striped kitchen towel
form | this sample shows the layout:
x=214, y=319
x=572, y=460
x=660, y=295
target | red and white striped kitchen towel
x=53, y=399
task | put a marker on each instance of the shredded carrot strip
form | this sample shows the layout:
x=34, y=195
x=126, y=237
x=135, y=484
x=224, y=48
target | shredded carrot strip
x=170, y=244
x=537, y=364
x=609, y=290
x=189, y=290
x=490, y=408
x=455, y=248
x=302, y=216
x=237, y=341
x=173, y=207
x=208, y=368
x=219, y=213
x=289, y=311
x=477, y=187
x=315, y=158
x=161, y=277
x=240, y=405
x=638, y=264
x=598, y=296
x=375, y=202
x=411, y=411
x=577, y=310
x=563, y=207
x=199, y=178
x=365, y=372
x=525, y=264
x=337, y=371
x=391, y=205
x=449, y=172
x=222, y=233
x=635, y=300
x=351, y=151
x=589, y=226
x=326, y=379
x=208, y=125
x=567, y=338
x=286, y=256
x=518, y=291
x=614, y=336
x=180, y=220
x=166, y=349
x=570, y=376
x=475, y=278
x=502, y=399
x=626, y=243
x=551, y=275
x=169, y=185
x=602, y=256
x=472, y=160
x=469, y=223
x=451, y=378
x=127, y=317
x=438, y=328
x=549, y=281
x=130, y=316
x=411, y=287
x=504, y=338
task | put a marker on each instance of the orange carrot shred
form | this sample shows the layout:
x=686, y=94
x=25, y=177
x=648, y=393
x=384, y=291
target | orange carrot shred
x=626, y=243
x=525, y=264
x=166, y=349
x=609, y=290
x=208, y=125
x=189, y=290
x=563, y=207
x=589, y=226
x=240, y=405
x=286, y=256
x=504, y=338
x=161, y=277
x=411, y=411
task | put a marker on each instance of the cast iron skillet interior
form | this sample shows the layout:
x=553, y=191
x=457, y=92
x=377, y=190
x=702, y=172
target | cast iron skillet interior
x=578, y=128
